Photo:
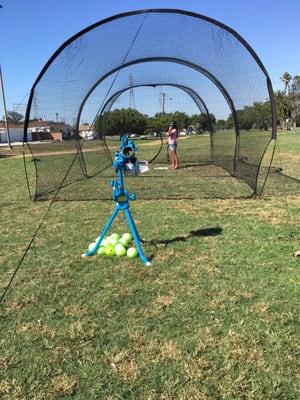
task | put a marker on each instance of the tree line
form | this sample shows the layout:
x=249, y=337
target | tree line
x=288, y=102
x=256, y=116
x=132, y=121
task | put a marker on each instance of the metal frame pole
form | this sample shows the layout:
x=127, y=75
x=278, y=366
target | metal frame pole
x=4, y=110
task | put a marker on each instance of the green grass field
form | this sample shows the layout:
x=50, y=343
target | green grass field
x=215, y=317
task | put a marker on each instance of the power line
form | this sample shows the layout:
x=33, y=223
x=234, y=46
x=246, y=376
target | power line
x=19, y=107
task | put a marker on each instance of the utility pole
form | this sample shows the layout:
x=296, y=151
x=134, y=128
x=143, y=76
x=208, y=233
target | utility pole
x=20, y=108
x=4, y=109
x=163, y=103
x=34, y=106
x=131, y=93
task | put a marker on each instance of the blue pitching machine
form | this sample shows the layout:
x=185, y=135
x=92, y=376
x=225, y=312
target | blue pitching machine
x=125, y=163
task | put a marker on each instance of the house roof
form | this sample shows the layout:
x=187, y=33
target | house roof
x=85, y=127
x=11, y=126
x=37, y=124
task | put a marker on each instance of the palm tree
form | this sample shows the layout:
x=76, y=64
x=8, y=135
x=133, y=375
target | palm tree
x=286, y=79
x=284, y=107
x=295, y=97
x=295, y=86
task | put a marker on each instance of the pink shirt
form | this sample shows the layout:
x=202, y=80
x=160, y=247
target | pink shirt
x=173, y=137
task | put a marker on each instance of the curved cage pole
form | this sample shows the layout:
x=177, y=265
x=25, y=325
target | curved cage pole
x=274, y=138
x=196, y=67
x=194, y=95
x=65, y=82
x=31, y=195
x=260, y=193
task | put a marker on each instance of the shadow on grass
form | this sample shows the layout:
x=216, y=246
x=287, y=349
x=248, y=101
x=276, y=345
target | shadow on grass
x=213, y=231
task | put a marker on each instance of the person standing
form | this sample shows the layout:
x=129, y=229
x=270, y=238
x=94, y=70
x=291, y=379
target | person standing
x=172, y=135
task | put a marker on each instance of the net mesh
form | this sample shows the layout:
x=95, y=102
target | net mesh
x=160, y=64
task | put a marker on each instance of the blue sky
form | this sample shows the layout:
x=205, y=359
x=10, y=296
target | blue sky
x=32, y=30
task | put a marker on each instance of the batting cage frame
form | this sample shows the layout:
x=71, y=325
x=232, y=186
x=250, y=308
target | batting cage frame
x=170, y=48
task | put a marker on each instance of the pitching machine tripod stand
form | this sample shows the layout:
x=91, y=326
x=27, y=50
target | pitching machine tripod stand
x=123, y=157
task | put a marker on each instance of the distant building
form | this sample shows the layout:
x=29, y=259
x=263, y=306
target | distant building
x=49, y=130
x=15, y=132
x=87, y=132
x=37, y=131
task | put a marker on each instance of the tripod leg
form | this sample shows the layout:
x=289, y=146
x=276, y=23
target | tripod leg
x=101, y=237
x=136, y=237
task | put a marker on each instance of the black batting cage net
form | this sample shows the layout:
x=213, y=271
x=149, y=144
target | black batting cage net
x=133, y=73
